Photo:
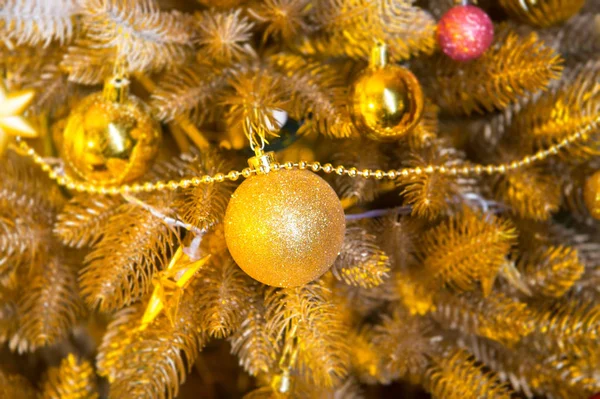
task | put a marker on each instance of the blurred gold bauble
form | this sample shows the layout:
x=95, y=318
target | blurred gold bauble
x=542, y=13
x=284, y=228
x=110, y=137
x=591, y=195
x=387, y=100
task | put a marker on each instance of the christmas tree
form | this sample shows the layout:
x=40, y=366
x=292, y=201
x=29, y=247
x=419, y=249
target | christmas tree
x=299, y=199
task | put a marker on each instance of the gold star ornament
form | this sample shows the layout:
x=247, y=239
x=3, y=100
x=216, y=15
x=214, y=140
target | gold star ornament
x=12, y=124
x=169, y=285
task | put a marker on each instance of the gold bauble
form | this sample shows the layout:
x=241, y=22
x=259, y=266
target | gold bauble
x=591, y=195
x=387, y=100
x=110, y=137
x=284, y=228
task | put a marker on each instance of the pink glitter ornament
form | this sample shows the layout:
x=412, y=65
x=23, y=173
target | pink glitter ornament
x=465, y=32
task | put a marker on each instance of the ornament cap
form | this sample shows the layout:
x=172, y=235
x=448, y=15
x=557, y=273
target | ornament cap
x=116, y=89
x=263, y=161
x=379, y=55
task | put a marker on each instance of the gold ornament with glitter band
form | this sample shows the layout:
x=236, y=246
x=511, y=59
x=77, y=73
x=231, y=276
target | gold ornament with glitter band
x=169, y=285
x=284, y=227
x=111, y=137
x=12, y=106
x=387, y=100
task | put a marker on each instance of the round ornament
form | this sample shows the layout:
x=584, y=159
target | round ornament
x=465, y=32
x=591, y=195
x=387, y=100
x=111, y=137
x=284, y=228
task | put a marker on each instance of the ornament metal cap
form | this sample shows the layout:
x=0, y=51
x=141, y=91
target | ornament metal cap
x=262, y=162
x=116, y=89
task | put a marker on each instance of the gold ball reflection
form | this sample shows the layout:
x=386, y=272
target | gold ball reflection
x=387, y=102
x=109, y=142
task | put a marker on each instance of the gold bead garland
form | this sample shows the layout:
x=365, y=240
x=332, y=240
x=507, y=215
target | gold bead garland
x=66, y=181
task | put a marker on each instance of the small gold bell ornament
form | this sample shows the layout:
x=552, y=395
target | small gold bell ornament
x=591, y=195
x=110, y=137
x=284, y=227
x=387, y=100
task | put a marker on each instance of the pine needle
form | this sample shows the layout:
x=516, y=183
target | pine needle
x=50, y=308
x=323, y=358
x=458, y=376
x=223, y=297
x=72, y=379
x=510, y=69
x=134, y=246
x=542, y=13
x=151, y=363
x=551, y=271
x=467, y=249
x=143, y=36
x=38, y=22
x=496, y=316
x=361, y=262
x=224, y=37
x=84, y=218
x=251, y=341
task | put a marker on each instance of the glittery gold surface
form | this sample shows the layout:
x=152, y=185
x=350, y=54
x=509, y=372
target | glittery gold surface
x=108, y=142
x=285, y=228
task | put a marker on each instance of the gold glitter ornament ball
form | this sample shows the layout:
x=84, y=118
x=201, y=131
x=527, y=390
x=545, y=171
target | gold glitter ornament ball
x=591, y=195
x=110, y=137
x=285, y=228
x=387, y=100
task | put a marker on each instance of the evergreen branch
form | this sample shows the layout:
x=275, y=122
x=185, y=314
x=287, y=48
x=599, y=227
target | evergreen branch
x=457, y=376
x=223, y=297
x=534, y=374
x=135, y=245
x=203, y=206
x=542, y=14
x=361, y=262
x=50, y=307
x=317, y=90
x=568, y=324
x=151, y=363
x=511, y=68
x=188, y=92
x=143, y=36
x=466, y=249
x=403, y=342
x=350, y=28
x=323, y=355
x=251, y=341
x=496, y=316
x=551, y=271
x=84, y=219
x=286, y=19
x=574, y=104
x=530, y=193
x=362, y=154
x=72, y=379
x=35, y=22
x=430, y=195
x=224, y=36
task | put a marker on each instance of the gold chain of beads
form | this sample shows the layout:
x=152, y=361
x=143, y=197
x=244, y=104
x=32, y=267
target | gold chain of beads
x=469, y=170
